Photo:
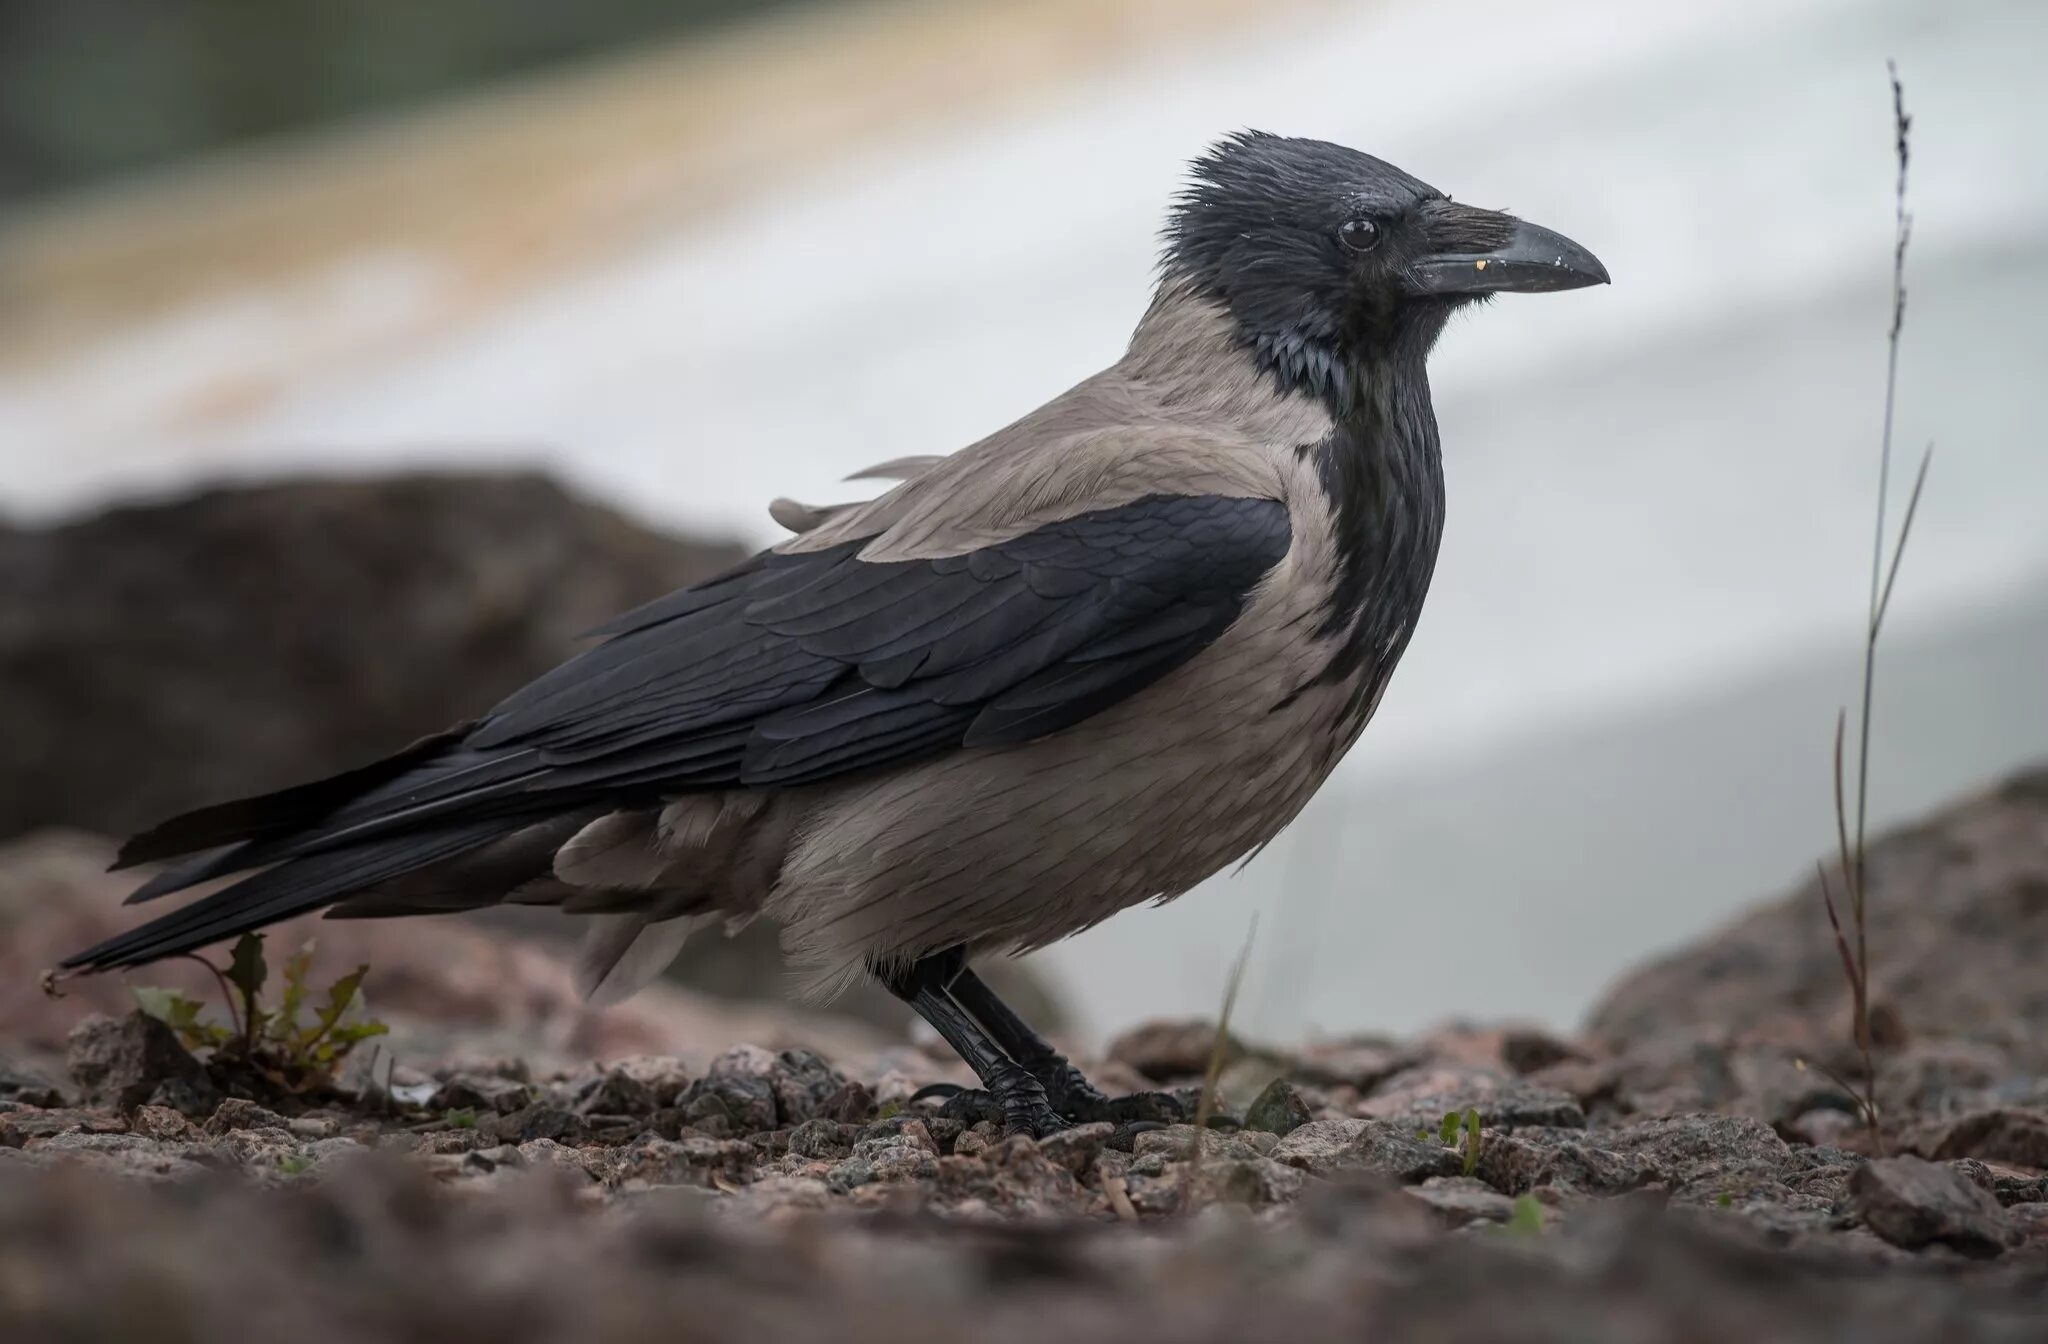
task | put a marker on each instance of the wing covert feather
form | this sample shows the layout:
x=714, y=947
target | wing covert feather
x=831, y=663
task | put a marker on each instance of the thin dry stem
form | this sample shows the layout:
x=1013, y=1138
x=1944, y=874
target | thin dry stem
x=1843, y=851
x=227, y=993
x=1884, y=603
x=1205, y=1106
x=1827, y=898
x=1902, y=234
x=1839, y=1081
x=1119, y=1196
x=1884, y=576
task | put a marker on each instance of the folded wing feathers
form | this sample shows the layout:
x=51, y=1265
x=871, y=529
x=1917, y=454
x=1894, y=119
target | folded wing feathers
x=789, y=668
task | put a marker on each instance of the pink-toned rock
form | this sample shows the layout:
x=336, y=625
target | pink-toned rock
x=1172, y=1051
x=1356, y=1062
x=1912, y=1203
x=449, y=988
x=1957, y=915
x=1328, y=1147
x=2010, y=1134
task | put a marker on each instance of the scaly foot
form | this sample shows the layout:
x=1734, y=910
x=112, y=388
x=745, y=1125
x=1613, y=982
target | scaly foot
x=1071, y=1094
x=1014, y=1100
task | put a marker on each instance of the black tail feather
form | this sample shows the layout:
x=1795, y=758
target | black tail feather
x=213, y=863
x=275, y=815
x=291, y=888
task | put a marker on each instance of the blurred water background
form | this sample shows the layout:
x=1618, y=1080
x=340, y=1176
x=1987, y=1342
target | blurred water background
x=717, y=266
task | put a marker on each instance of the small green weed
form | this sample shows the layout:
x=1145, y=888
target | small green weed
x=297, y=1044
x=1460, y=1132
x=1527, y=1217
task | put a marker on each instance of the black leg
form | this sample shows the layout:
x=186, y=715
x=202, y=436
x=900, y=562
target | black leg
x=1067, y=1090
x=925, y=987
x=1064, y=1084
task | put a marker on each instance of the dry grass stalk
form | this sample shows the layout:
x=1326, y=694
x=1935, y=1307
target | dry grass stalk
x=1853, y=943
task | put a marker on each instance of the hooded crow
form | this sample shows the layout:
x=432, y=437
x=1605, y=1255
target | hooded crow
x=1084, y=663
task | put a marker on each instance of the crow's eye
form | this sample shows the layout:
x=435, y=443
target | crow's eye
x=1360, y=235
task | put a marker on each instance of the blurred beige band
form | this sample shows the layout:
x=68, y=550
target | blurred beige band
x=515, y=184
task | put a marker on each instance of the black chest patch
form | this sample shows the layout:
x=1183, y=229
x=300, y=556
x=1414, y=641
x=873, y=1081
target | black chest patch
x=1383, y=478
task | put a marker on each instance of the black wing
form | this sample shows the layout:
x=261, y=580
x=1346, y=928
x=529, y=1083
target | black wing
x=790, y=669
x=811, y=665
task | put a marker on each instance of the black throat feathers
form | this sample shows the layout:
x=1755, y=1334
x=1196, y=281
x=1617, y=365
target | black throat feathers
x=1382, y=472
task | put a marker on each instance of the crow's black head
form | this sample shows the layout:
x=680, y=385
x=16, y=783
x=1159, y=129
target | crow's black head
x=1325, y=256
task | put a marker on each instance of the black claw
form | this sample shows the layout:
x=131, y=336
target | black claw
x=1021, y=1111
x=1068, y=1091
x=1038, y=1122
x=1157, y=1108
x=1125, y=1138
x=970, y=1106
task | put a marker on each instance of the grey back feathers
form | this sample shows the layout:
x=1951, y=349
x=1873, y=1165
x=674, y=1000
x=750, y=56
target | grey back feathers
x=796, y=517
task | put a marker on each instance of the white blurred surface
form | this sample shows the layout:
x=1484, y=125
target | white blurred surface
x=1612, y=727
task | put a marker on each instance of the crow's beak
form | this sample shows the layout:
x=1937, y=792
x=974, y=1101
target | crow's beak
x=1526, y=259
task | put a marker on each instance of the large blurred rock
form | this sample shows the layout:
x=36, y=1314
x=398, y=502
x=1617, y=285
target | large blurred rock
x=1958, y=935
x=450, y=989
x=122, y=1062
x=157, y=657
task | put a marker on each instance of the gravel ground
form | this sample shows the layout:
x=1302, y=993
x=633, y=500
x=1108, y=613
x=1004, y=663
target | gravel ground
x=1690, y=1168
